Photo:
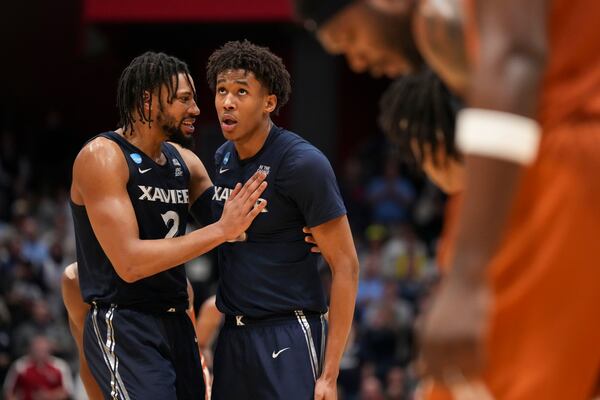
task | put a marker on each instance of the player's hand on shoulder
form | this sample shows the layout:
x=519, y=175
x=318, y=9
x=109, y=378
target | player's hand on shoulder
x=243, y=206
x=309, y=238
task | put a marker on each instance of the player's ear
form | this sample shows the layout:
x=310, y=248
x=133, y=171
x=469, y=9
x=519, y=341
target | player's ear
x=147, y=98
x=147, y=103
x=270, y=103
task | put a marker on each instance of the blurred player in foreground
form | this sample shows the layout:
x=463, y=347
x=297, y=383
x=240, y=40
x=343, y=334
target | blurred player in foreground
x=528, y=224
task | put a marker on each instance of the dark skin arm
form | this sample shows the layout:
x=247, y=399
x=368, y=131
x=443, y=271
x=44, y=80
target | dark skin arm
x=506, y=78
x=335, y=242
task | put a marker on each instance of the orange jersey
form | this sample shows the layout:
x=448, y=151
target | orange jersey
x=571, y=83
x=571, y=86
x=543, y=334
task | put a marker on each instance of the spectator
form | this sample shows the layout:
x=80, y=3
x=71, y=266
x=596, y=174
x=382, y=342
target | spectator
x=403, y=254
x=370, y=285
x=34, y=249
x=38, y=375
x=395, y=384
x=371, y=389
x=44, y=323
x=391, y=196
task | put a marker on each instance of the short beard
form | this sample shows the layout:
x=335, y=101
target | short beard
x=174, y=133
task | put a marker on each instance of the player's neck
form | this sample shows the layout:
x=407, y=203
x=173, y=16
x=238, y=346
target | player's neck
x=251, y=143
x=147, y=139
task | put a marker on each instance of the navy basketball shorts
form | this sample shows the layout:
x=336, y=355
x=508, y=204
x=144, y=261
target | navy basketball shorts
x=140, y=355
x=271, y=358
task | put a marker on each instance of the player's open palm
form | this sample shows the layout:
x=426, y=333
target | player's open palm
x=243, y=206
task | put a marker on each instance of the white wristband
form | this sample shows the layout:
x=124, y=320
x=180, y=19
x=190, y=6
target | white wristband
x=497, y=134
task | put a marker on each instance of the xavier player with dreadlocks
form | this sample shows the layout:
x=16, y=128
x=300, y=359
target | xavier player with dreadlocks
x=130, y=197
x=418, y=114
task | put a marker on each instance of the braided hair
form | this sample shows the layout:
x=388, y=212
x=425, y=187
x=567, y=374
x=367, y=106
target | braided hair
x=146, y=73
x=268, y=69
x=420, y=108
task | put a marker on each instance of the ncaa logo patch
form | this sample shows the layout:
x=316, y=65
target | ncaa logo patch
x=136, y=158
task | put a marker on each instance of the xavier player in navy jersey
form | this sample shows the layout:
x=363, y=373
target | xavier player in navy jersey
x=130, y=196
x=272, y=345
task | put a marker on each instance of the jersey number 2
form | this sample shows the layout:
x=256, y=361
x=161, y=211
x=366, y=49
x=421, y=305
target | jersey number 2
x=168, y=217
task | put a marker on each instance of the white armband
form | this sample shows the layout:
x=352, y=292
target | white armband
x=498, y=134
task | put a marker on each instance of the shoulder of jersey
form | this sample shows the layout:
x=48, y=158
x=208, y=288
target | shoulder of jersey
x=222, y=150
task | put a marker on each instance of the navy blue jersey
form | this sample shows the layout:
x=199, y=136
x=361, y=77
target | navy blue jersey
x=159, y=195
x=274, y=271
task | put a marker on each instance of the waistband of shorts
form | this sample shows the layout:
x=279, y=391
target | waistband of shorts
x=242, y=320
x=145, y=308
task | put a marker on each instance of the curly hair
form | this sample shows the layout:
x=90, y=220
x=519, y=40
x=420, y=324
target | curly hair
x=419, y=107
x=268, y=69
x=147, y=72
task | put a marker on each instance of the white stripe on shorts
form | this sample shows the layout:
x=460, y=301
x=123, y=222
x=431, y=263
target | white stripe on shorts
x=312, y=352
x=118, y=390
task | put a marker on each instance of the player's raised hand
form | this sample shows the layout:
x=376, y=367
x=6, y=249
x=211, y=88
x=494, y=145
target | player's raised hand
x=243, y=206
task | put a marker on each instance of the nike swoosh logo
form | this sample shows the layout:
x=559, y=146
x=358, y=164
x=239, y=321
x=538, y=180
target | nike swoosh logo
x=275, y=355
x=143, y=171
x=223, y=170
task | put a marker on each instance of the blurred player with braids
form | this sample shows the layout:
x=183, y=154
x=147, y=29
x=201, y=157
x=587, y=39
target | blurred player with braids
x=131, y=195
x=418, y=114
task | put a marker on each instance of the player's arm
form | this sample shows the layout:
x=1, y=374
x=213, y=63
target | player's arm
x=506, y=78
x=310, y=181
x=337, y=246
x=207, y=325
x=100, y=175
x=77, y=311
x=498, y=135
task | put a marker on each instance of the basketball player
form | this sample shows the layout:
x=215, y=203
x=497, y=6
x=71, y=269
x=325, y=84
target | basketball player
x=392, y=37
x=272, y=344
x=528, y=224
x=130, y=196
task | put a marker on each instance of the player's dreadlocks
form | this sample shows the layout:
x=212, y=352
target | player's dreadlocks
x=419, y=108
x=268, y=69
x=147, y=72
